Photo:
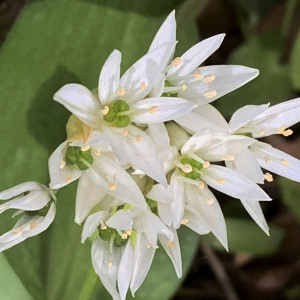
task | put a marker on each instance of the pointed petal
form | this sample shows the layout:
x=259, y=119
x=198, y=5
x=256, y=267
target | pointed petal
x=197, y=141
x=195, y=220
x=109, y=77
x=20, y=189
x=158, y=87
x=159, y=134
x=81, y=102
x=178, y=204
x=121, y=220
x=196, y=55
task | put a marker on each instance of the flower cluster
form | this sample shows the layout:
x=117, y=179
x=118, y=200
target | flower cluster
x=146, y=147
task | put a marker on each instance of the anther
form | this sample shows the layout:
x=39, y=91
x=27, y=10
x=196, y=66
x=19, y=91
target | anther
x=138, y=138
x=281, y=129
x=143, y=85
x=220, y=180
x=262, y=132
x=103, y=226
x=184, y=221
x=201, y=185
x=149, y=245
x=198, y=75
x=187, y=168
x=68, y=177
x=206, y=164
x=184, y=87
x=268, y=177
x=209, y=200
x=32, y=225
x=170, y=244
x=17, y=230
x=97, y=152
x=112, y=186
x=62, y=164
x=227, y=157
x=85, y=148
x=128, y=231
x=105, y=110
x=124, y=236
x=284, y=162
x=209, y=94
x=121, y=91
x=153, y=109
x=176, y=61
x=110, y=264
x=288, y=132
x=125, y=131
x=209, y=78
x=267, y=159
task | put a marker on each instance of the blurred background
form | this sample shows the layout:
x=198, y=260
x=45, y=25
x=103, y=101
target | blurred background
x=70, y=37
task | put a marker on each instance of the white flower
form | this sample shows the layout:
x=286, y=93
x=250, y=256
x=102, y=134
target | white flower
x=183, y=77
x=37, y=204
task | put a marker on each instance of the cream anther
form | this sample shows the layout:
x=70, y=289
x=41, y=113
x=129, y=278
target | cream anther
x=17, y=230
x=198, y=75
x=206, y=164
x=267, y=159
x=97, y=152
x=68, y=177
x=281, y=129
x=153, y=109
x=176, y=61
x=209, y=94
x=170, y=244
x=268, y=177
x=105, y=110
x=32, y=225
x=262, y=132
x=187, y=168
x=209, y=200
x=284, y=162
x=227, y=157
x=124, y=236
x=110, y=264
x=103, y=226
x=288, y=132
x=149, y=245
x=201, y=185
x=121, y=91
x=184, y=221
x=220, y=180
x=112, y=186
x=128, y=231
x=62, y=164
x=209, y=78
x=125, y=131
x=85, y=148
x=143, y=85
x=138, y=138
x=184, y=87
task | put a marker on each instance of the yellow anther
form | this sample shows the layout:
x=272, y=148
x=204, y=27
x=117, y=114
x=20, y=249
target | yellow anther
x=153, y=109
x=85, y=148
x=281, y=129
x=17, y=230
x=62, y=164
x=227, y=157
x=209, y=93
x=170, y=244
x=138, y=138
x=206, y=164
x=288, y=132
x=128, y=231
x=112, y=186
x=220, y=180
x=209, y=78
x=209, y=200
x=105, y=111
x=267, y=159
x=184, y=87
x=184, y=221
x=97, y=152
x=68, y=177
x=284, y=162
x=187, y=168
x=121, y=91
x=103, y=226
x=125, y=131
x=32, y=225
x=201, y=185
x=262, y=132
x=268, y=177
x=124, y=236
x=198, y=75
x=143, y=85
x=110, y=264
x=176, y=61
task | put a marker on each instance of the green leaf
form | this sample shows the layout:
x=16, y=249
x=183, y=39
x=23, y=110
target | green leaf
x=54, y=43
x=295, y=64
x=291, y=196
x=245, y=236
x=273, y=83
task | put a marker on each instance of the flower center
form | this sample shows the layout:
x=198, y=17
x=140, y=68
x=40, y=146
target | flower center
x=78, y=156
x=117, y=114
x=41, y=212
x=110, y=234
x=190, y=168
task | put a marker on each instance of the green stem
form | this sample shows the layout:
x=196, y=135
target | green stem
x=289, y=12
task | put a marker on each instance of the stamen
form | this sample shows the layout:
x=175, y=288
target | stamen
x=125, y=131
x=121, y=91
x=227, y=157
x=124, y=236
x=32, y=225
x=281, y=129
x=103, y=226
x=184, y=87
x=128, y=231
x=170, y=244
x=143, y=85
x=86, y=132
x=209, y=78
x=268, y=177
x=184, y=221
x=197, y=74
x=288, y=132
x=267, y=159
x=112, y=186
x=110, y=264
x=149, y=245
x=201, y=185
x=187, y=168
x=209, y=200
x=85, y=148
x=209, y=94
x=153, y=109
x=176, y=61
x=105, y=110
x=284, y=162
x=262, y=132
x=62, y=164
x=206, y=164
x=97, y=152
x=68, y=177
x=138, y=138
x=220, y=180
x=17, y=230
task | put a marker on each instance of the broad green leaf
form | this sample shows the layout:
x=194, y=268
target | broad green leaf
x=245, y=236
x=273, y=83
x=54, y=43
x=291, y=196
x=295, y=64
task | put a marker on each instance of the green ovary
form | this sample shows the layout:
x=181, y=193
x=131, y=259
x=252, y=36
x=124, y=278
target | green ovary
x=116, y=114
x=76, y=156
x=196, y=167
x=110, y=233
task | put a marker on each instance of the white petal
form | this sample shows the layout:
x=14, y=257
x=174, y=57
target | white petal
x=88, y=195
x=81, y=102
x=195, y=220
x=196, y=55
x=109, y=77
x=173, y=250
x=233, y=184
x=165, y=213
x=125, y=270
x=20, y=189
x=159, y=134
x=255, y=211
x=92, y=223
x=166, y=32
x=143, y=259
x=277, y=161
x=154, y=110
x=227, y=79
x=158, y=87
x=121, y=220
x=61, y=177
x=197, y=141
x=177, y=205
x=245, y=115
x=160, y=194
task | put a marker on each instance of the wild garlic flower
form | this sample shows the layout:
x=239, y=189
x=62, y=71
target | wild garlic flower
x=36, y=203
